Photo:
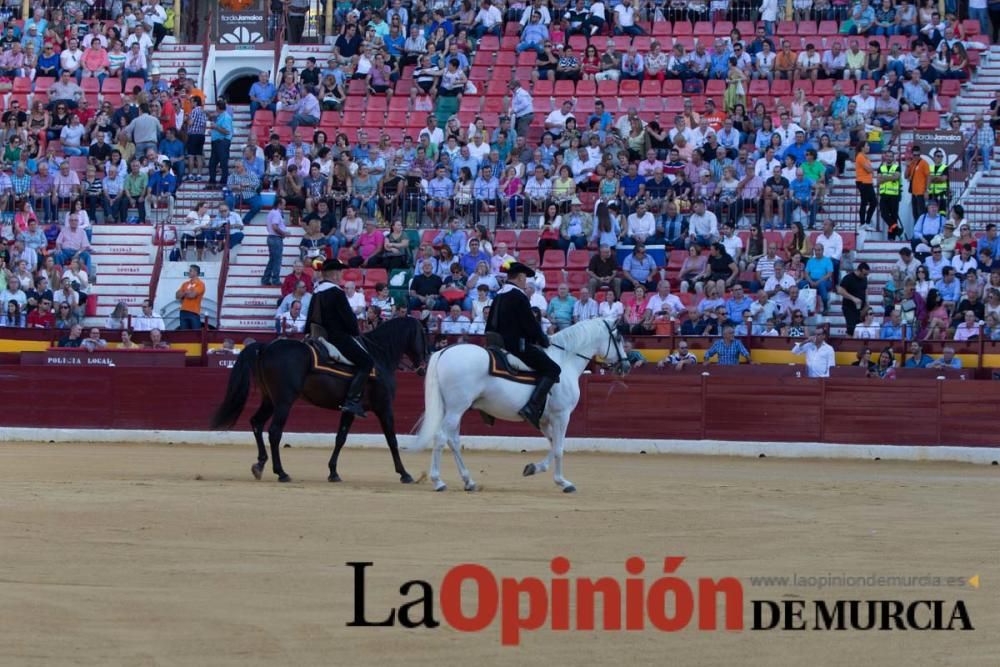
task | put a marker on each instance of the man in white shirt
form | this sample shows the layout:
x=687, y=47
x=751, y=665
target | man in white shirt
x=641, y=225
x=764, y=167
x=585, y=307
x=555, y=122
x=293, y=321
x=819, y=355
x=522, y=108
x=664, y=304
x=833, y=246
x=703, y=226
x=355, y=298
x=535, y=298
x=456, y=324
x=732, y=242
x=487, y=20
x=149, y=319
x=778, y=286
x=500, y=257
x=680, y=127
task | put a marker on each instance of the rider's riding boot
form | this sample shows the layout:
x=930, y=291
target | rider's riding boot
x=353, y=401
x=533, y=409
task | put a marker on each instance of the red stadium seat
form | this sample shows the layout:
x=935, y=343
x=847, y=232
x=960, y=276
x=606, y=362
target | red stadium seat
x=262, y=117
x=703, y=29
x=375, y=276
x=586, y=88
x=554, y=260
x=651, y=88
x=90, y=85
x=22, y=84
x=929, y=120
x=607, y=88
x=672, y=88
x=628, y=87
x=908, y=120
x=565, y=89
x=528, y=238
x=130, y=84
x=544, y=87
x=577, y=259
x=576, y=279
x=508, y=236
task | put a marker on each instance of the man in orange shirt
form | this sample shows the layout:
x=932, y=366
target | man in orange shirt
x=190, y=294
x=918, y=173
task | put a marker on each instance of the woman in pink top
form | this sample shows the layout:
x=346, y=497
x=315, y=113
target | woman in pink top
x=369, y=242
x=95, y=61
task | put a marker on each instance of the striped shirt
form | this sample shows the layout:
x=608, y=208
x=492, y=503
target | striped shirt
x=197, y=121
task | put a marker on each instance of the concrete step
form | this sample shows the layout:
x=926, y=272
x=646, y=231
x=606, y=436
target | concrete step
x=106, y=289
x=125, y=258
x=237, y=301
x=249, y=281
x=109, y=277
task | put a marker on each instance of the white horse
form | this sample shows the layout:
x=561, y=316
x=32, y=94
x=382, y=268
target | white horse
x=458, y=379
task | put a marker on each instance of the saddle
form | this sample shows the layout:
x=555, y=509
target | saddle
x=505, y=365
x=327, y=358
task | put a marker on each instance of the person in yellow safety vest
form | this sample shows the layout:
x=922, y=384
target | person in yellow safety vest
x=889, y=187
x=938, y=184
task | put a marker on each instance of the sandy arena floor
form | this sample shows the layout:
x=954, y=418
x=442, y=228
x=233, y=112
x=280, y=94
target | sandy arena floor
x=169, y=555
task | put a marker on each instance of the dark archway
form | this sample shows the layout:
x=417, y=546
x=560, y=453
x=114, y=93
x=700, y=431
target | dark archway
x=237, y=91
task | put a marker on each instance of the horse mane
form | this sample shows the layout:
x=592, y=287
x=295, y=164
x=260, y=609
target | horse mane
x=572, y=338
x=387, y=341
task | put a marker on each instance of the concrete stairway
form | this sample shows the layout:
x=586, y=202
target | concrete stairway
x=123, y=262
x=246, y=304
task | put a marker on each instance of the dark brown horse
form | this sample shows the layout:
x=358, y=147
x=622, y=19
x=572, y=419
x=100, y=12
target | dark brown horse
x=284, y=371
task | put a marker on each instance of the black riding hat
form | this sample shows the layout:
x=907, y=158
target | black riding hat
x=517, y=269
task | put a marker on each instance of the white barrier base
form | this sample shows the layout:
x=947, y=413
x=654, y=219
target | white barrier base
x=818, y=450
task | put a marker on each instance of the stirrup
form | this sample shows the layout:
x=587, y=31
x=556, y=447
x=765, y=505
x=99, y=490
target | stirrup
x=354, y=407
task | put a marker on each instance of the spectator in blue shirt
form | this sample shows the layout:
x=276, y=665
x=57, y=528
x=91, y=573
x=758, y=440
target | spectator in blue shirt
x=485, y=192
x=464, y=159
x=262, y=94
x=949, y=287
x=160, y=189
x=738, y=304
x=893, y=329
x=797, y=149
x=453, y=237
x=728, y=349
x=917, y=358
x=631, y=187
x=819, y=275
x=948, y=359
x=603, y=116
x=534, y=35
x=174, y=149
x=801, y=190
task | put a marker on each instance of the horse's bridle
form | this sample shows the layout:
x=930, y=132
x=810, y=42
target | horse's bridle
x=613, y=338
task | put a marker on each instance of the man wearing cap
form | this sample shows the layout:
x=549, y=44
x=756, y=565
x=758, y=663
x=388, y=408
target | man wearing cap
x=332, y=320
x=514, y=324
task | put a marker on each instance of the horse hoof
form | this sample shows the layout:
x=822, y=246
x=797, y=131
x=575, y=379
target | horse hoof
x=406, y=479
x=569, y=489
x=284, y=479
x=440, y=486
x=334, y=477
x=471, y=487
x=529, y=470
x=257, y=470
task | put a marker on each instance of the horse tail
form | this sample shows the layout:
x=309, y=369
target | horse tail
x=237, y=390
x=433, y=415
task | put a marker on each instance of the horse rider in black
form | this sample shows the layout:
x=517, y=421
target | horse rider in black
x=512, y=321
x=331, y=319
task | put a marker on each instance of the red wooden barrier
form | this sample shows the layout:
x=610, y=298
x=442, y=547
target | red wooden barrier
x=665, y=406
